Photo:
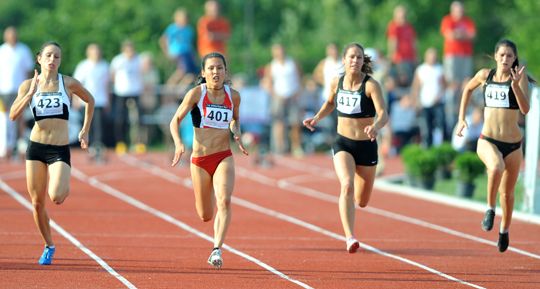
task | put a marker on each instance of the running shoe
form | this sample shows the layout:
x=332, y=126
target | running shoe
x=352, y=245
x=215, y=258
x=47, y=256
x=487, y=222
x=504, y=241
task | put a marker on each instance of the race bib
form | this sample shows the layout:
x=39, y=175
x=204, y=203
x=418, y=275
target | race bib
x=217, y=116
x=49, y=103
x=349, y=103
x=497, y=95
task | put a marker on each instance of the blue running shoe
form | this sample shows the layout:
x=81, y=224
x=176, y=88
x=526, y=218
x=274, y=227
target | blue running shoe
x=47, y=256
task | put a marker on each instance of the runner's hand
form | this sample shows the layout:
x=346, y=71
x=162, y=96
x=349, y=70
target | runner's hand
x=34, y=83
x=178, y=151
x=371, y=132
x=238, y=140
x=517, y=73
x=462, y=124
x=83, y=139
x=310, y=123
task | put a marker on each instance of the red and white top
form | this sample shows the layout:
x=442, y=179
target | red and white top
x=212, y=115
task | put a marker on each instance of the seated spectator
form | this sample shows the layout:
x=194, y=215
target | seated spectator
x=403, y=122
x=468, y=142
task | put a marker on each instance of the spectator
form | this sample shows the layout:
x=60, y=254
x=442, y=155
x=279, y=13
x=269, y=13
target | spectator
x=401, y=41
x=93, y=73
x=213, y=30
x=128, y=86
x=309, y=105
x=17, y=63
x=428, y=93
x=149, y=97
x=327, y=69
x=403, y=122
x=176, y=42
x=286, y=86
x=255, y=122
x=469, y=141
x=459, y=32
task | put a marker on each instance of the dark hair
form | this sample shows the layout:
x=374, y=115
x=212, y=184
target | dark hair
x=368, y=63
x=200, y=78
x=43, y=46
x=511, y=45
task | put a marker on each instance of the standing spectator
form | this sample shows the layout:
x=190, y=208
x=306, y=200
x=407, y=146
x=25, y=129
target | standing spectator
x=17, y=63
x=128, y=86
x=401, y=41
x=93, y=73
x=327, y=69
x=428, y=91
x=213, y=30
x=286, y=86
x=177, y=44
x=255, y=122
x=459, y=32
x=149, y=98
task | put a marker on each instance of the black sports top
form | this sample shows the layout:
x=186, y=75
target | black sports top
x=499, y=94
x=354, y=104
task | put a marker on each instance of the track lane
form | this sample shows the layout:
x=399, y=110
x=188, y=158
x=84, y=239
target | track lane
x=180, y=181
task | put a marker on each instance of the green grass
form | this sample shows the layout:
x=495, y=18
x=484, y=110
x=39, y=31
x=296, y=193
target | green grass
x=448, y=187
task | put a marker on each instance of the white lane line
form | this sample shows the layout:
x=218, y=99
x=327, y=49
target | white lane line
x=168, y=218
x=13, y=175
x=178, y=180
x=385, y=184
x=25, y=203
x=287, y=185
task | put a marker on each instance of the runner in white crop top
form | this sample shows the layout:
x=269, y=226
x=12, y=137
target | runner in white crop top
x=51, y=104
x=48, y=164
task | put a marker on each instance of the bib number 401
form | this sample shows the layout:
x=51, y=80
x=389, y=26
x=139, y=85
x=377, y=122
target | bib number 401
x=217, y=115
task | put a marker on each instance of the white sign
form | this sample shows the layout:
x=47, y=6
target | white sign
x=532, y=153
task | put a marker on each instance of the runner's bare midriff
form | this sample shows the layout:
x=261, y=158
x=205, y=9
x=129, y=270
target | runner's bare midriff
x=50, y=131
x=502, y=124
x=210, y=140
x=353, y=128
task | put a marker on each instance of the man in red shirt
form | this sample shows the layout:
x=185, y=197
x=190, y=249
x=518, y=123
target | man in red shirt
x=401, y=39
x=459, y=32
x=213, y=30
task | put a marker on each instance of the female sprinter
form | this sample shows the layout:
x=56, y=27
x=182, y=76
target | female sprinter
x=361, y=114
x=499, y=146
x=214, y=109
x=49, y=95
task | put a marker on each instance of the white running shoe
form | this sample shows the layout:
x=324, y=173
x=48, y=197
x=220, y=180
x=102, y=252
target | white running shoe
x=215, y=259
x=352, y=245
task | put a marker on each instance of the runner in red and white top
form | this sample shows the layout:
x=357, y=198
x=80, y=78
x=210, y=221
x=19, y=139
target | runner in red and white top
x=214, y=108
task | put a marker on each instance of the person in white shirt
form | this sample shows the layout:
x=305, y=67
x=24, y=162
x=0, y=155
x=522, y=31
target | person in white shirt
x=428, y=90
x=286, y=78
x=17, y=64
x=128, y=85
x=93, y=73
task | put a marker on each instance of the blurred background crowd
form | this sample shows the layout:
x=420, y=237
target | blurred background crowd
x=281, y=56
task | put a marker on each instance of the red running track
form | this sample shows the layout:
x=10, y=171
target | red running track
x=137, y=215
